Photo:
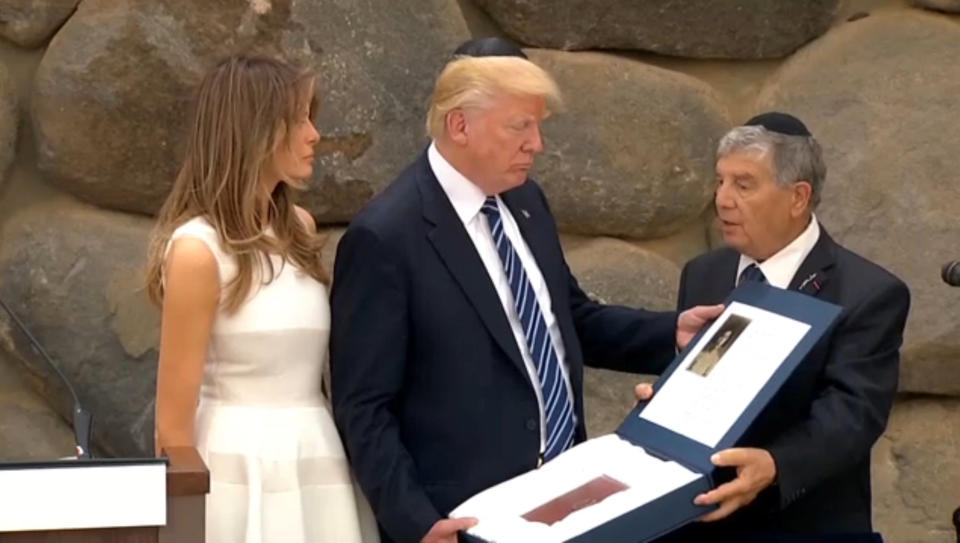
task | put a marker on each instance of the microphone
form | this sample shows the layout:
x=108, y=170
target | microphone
x=956, y=522
x=950, y=273
x=82, y=419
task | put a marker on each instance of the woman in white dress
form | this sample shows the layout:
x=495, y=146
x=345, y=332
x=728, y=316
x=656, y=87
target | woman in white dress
x=235, y=266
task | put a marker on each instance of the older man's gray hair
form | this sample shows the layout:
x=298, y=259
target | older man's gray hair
x=794, y=158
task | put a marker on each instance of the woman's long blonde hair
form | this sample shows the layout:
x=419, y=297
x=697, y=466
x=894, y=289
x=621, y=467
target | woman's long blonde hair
x=245, y=108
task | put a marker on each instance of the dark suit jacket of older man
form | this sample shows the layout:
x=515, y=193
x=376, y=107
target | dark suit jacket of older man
x=822, y=424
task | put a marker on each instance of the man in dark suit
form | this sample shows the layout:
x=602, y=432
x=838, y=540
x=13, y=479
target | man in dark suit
x=804, y=466
x=459, y=335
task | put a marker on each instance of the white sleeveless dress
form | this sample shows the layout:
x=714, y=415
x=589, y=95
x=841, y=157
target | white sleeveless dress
x=278, y=472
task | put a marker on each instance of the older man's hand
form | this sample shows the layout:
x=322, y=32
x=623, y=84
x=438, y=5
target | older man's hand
x=756, y=470
x=692, y=320
x=644, y=391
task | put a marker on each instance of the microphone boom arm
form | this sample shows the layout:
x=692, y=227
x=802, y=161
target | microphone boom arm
x=82, y=419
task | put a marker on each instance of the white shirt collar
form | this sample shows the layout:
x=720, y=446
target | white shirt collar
x=780, y=268
x=466, y=197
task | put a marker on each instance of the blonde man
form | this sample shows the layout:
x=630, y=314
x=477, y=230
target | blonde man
x=459, y=336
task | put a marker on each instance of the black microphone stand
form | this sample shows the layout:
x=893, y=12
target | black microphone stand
x=82, y=419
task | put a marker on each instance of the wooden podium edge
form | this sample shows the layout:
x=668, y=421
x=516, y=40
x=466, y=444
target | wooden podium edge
x=187, y=475
x=188, y=482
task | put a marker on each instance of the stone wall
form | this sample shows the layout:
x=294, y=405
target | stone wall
x=93, y=95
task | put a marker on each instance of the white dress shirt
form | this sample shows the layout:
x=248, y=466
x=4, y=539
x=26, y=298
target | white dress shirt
x=467, y=199
x=780, y=268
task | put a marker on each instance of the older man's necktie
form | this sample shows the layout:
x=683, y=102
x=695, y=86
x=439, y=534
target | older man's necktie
x=752, y=273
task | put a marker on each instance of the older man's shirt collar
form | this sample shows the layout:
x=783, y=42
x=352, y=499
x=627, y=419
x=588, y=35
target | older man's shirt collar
x=780, y=268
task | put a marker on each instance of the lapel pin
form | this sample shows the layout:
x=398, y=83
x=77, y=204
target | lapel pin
x=526, y=214
x=808, y=280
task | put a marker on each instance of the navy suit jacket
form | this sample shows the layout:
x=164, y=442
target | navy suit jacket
x=430, y=392
x=821, y=425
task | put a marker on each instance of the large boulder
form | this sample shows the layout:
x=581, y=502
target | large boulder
x=74, y=276
x=608, y=396
x=948, y=6
x=31, y=429
x=689, y=242
x=113, y=89
x=30, y=23
x=632, y=153
x=8, y=121
x=613, y=271
x=617, y=272
x=916, y=472
x=743, y=29
x=329, y=251
x=879, y=94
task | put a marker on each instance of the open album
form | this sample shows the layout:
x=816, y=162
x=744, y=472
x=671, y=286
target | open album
x=586, y=486
x=640, y=482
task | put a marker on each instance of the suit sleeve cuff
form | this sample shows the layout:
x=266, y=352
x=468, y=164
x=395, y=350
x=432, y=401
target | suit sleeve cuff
x=787, y=486
x=413, y=528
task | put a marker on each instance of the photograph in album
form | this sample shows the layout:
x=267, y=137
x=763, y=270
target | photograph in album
x=590, y=493
x=725, y=369
x=718, y=345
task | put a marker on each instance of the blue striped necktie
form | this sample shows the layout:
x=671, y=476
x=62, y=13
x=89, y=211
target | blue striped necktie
x=557, y=405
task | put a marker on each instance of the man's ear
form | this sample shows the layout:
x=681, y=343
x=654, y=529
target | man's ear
x=456, y=124
x=802, y=198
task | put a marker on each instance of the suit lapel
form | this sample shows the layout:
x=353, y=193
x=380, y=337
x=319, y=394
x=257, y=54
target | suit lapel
x=722, y=281
x=535, y=225
x=814, y=271
x=537, y=234
x=456, y=250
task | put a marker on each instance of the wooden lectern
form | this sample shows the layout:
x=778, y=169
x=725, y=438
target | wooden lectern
x=187, y=483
